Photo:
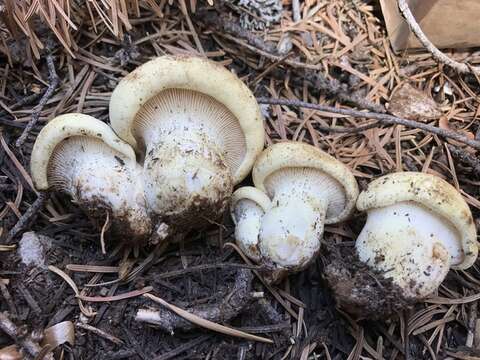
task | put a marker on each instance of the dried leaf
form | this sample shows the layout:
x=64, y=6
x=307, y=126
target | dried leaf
x=10, y=353
x=59, y=334
x=410, y=103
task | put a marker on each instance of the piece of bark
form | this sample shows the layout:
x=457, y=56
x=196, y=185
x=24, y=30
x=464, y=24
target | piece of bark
x=231, y=305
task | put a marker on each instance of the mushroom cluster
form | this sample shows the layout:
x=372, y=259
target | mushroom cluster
x=184, y=131
x=418, y=225
x=298, y=189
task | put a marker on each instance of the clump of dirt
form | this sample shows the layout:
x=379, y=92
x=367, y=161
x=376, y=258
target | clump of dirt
x=360, y=290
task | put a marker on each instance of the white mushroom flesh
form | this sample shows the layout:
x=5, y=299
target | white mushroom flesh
x=410, y=244
x=193, y=145
x=99, y=177
x=292, y=229
x=248, y=215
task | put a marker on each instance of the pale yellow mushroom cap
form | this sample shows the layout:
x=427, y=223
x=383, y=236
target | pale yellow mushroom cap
x=247, y=207
x=63, y=127
x=295, y=155
x=431, y=192
x=250, y=193
x=198, y=75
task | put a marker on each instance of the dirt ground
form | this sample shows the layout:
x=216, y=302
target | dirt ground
x=332, y=53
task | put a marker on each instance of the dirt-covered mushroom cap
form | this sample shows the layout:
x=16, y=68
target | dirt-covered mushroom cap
x=199, y=129
x=81, y=156
x=307, y=188
x=418, y=226
x=247, y=207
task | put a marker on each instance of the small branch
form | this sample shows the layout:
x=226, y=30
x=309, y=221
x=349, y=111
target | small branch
x=20, y=337
x=232, y=304
x=466, y=158
x=27, y=217
x=23, y=101
x=437, y=54
x=100, y=333
x=340, y=90
x=54, y=81
x=382, y=118
x=182, y=348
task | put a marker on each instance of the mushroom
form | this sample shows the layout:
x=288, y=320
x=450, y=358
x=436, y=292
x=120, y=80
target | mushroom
x=198, y=130
x=418, y=227
x=308, y=188
x=248, y=206
x=82, y=157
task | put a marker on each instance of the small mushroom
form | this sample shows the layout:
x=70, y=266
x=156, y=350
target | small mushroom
x=248, y=206
x=82, y=157
x=308, y=188
x=198, y=129
x=418, y=227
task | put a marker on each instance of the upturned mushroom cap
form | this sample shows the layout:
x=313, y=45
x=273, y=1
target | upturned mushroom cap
x=432, y=193
x=290, y=156
x=63, y=127
x=210, y=89
x=247, y=207
x=250, y=193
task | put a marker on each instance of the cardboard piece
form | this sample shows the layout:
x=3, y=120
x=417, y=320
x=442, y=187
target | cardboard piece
x=447, y=23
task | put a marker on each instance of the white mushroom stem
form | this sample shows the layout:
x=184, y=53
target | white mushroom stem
x=248, y=216
x=187, y=162
x=101, y=179
x=292, y=229
x=410, y=244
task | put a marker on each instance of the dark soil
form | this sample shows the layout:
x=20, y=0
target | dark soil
x=360, y=290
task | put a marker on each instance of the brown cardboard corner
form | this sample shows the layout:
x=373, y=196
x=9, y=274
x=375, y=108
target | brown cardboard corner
x=447, y=23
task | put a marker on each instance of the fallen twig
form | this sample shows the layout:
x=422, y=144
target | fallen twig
x=207, y=324
x=20, y=337
x=341, y=91
x=54, y=81
x=436, y=53
x=182, y=348
x=99, y=332
x=465, y=158
x=27, y=217
x=382, y=118
x=229, y=307
x=23, y=101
